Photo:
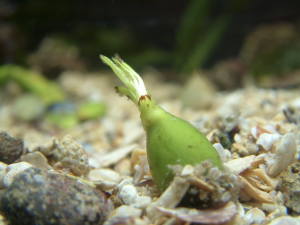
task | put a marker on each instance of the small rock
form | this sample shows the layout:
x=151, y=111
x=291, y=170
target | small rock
x=128, y=194
x=10, y=148
x=71, y=155
x=291, y=186
x=36, y=159
x=39, y=197
x=12, y=172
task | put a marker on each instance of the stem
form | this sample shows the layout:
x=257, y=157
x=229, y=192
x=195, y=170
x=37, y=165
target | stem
x=135, y=86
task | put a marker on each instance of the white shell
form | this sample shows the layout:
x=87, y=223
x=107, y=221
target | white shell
x=187, y=170
x=239, y=165
x=142, y=202
x=255, y=215
x=285, y=153
x=221, y=152
x=36, y=159
x=267, y=140
x=105, y=175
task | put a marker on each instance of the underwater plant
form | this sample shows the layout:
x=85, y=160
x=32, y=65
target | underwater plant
x=170, y=140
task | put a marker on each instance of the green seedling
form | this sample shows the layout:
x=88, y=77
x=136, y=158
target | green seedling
x=170, y=140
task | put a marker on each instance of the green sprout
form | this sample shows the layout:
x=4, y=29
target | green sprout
x=170, y=140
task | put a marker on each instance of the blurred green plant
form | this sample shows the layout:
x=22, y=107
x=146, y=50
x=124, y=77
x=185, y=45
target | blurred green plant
x=199, y=34
x=31, y=81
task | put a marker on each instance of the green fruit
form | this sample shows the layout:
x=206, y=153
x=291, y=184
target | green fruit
x=170, y=140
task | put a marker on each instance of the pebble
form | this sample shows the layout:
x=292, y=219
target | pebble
x=128, y=194
x=12, y=171
x=39, y=197
x=71, y=155
x=2, y=173
x=36, y=159
x=10, y=148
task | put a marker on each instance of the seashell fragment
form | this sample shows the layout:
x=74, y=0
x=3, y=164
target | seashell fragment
x=187, y=170
x=261, y=173
x=104, y=174
x=169, y=199
x=36, y=159
x=285, y=153
x=272, y=207
x=267, y=140
x=211, y=216
x=256, y=193
x=141, y=202
x=122, y=213
x=221, y=151
x=239, y=165
x=288, y=220
x=255, y=215
x=105, y=185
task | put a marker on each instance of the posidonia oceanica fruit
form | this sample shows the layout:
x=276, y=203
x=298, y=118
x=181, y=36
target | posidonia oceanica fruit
x=170, y=140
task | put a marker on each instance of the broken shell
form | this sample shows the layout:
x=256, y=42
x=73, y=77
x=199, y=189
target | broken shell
x=285, y=153
x=142, y=202
x=256, y=193
x=122, y=213
x=104, y=175
x=187, y=170
x=200, y=183
x=261, y=173
x=239, y=165
x=169, y=199
x=211, y=216
x=286, y=220
x=221, y=151
x=105, y=185
x=36, y=159
x=135, y=160
x=267, y=140
x=272, y=207
x=255, y=215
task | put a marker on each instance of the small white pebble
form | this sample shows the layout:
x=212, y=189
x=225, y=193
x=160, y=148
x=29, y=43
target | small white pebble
x=141, y=202
x=12, y=171
x=187, y=170
x=128, y=194
x=123, y=183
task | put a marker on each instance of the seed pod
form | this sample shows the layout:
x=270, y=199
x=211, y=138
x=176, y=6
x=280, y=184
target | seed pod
x=170, y=140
